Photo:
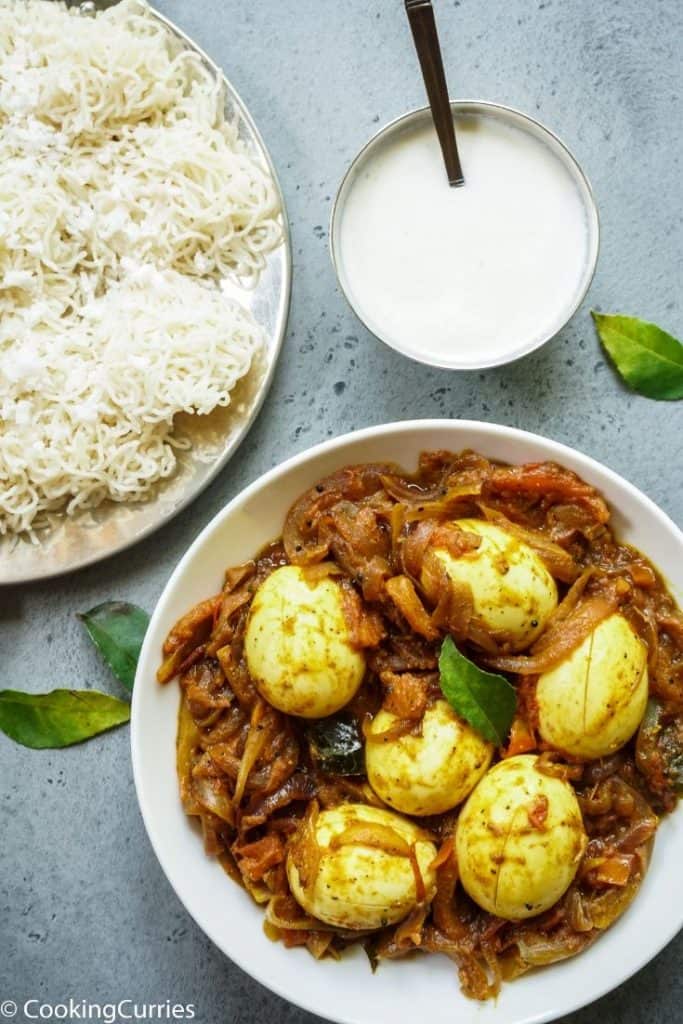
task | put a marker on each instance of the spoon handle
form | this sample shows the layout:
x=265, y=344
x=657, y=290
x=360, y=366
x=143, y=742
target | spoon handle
x=421, y=17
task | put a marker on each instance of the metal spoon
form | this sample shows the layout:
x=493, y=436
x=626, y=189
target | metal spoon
x=426, y=39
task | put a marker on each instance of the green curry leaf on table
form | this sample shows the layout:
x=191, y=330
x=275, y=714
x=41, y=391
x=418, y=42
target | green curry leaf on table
x=59, y=718
x=63, y=717
x=648, y=359
x=117, y=629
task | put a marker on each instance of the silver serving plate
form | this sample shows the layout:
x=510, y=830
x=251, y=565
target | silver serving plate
x=74, y=542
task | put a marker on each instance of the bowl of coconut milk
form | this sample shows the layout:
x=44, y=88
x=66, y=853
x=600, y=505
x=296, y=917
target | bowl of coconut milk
x=471, y=277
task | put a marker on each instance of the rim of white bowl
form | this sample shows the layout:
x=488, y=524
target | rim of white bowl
x=563, y=153
x=494, y=430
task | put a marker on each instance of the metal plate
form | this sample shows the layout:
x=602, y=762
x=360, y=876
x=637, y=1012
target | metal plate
x=74, y=542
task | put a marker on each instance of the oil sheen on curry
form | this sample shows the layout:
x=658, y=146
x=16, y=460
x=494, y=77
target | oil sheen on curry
x=336, y=783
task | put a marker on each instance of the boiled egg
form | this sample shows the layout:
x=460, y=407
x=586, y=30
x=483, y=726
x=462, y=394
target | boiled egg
x=513, y=593
x=430, y=772
x=297, y=644
x=592, y=703
x=364, y=868
x=519, y=839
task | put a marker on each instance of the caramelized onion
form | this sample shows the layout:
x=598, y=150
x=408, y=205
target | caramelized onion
x=284, y=912
x=212, y=795
x=557, y=561
x=409, y=931
x=430, y=534
x=256, y=858
x=444, y=905
x=187, y=743
x=402, y=727
x=474, y=977
x=193, y=627
x=304, y=849
x=402, y=592
x=301, y=537
x=548, y=482
x=297, y=788
x=408, y=492
x=373, y=834
x=548, y=763
x=256, y=740
x=319, y=943
x=576, y=911
x=407, y=694
x=366, y=628
x=538, y=949
x=224, y=625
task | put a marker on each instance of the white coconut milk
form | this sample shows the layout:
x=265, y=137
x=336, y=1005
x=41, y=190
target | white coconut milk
x=464, y=276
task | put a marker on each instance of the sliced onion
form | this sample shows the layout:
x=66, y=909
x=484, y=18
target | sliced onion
x=402, y=592
x=557, y=561
x=297, y=787
x=258, y=857
x=403, y=727
x=211, y=794
x=373, y=834
x=256, y=741
x=187, y=744
x=224, y=627
x=366, y=627
x=300, y=535
x=280, y=914
x=538, y=949
x=193, y=627
x=409, y=931
x=304, y=850
x=546, y=481
x=319, y=944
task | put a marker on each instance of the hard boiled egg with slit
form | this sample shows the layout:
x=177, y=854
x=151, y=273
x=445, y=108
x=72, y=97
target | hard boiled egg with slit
x=360, y=867
x=431, y=770
x=513, y=594
x=592, y=702
x=298, y=643
x=519, y=839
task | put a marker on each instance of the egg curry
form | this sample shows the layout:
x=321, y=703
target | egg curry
x=360, y=799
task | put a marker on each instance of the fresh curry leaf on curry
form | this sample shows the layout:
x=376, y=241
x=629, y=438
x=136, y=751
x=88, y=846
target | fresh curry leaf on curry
x=485, y=699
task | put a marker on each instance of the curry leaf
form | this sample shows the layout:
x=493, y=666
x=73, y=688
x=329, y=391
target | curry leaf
x=336, y=744
x=117, y=629
x=484, y=699
x=59, y=718
x=648, y=359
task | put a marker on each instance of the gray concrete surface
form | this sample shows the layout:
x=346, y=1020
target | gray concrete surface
x=85, y=910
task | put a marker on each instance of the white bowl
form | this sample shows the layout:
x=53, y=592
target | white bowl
x=347, y=991
x=387, y=137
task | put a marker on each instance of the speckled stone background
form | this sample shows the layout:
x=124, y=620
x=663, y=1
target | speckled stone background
x=85, y=910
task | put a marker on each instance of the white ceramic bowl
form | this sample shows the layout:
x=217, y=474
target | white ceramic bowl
x=386, y=138
x=347, y=991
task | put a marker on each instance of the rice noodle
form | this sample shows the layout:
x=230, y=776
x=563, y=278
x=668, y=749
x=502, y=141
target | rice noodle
x=127, y=199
